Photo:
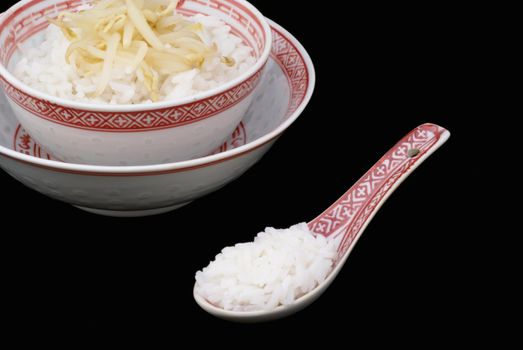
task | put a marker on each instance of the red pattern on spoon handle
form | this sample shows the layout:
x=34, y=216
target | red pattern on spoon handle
x=351, y=214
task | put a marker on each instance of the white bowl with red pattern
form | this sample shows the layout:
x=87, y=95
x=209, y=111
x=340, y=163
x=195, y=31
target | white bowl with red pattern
x=284, y=91
x=141, y=134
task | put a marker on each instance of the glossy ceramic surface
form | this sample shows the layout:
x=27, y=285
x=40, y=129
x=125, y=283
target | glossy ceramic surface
x=139, y=134
x=145, y=190
x=348, y=217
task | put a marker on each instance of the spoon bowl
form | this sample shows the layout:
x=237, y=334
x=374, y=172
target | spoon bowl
x=346, y=219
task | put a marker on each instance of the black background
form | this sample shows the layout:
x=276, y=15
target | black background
x=381, y=71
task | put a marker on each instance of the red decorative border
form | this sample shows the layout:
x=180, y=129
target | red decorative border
x=123, y=121
x=237, y=139
x=294, y=85
x=288, y=56
x=24, y=143
x=132, y=121
x=353, y=210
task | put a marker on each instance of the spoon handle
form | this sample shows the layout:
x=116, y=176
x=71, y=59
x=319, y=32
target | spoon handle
x=350, y=215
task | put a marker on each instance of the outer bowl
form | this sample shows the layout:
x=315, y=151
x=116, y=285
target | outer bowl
x=285, y=90
x=153, y=133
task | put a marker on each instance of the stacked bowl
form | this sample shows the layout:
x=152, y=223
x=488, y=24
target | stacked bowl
x=148, y=158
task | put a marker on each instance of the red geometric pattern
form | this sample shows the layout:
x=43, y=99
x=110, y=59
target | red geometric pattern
x=237, y=139
x=295, y=91
x=132, y=121
x=118, y=122
x=24, y=143
x=346, y=215
x=293, y=64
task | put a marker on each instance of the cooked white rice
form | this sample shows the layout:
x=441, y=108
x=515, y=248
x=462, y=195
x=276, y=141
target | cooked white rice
x=44, y=68
x=276, y=269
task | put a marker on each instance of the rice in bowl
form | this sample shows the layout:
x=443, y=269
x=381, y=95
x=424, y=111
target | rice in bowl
x=51, y=67
x=94, y=124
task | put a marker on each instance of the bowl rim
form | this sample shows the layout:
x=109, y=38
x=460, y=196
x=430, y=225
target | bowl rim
x=158, y=169
x=100, y=107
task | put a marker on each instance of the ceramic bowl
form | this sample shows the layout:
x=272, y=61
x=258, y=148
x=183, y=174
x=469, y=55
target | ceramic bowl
x=131, y=134
x=284, y=92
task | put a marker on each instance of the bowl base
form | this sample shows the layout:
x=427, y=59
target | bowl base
x=131, y=213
